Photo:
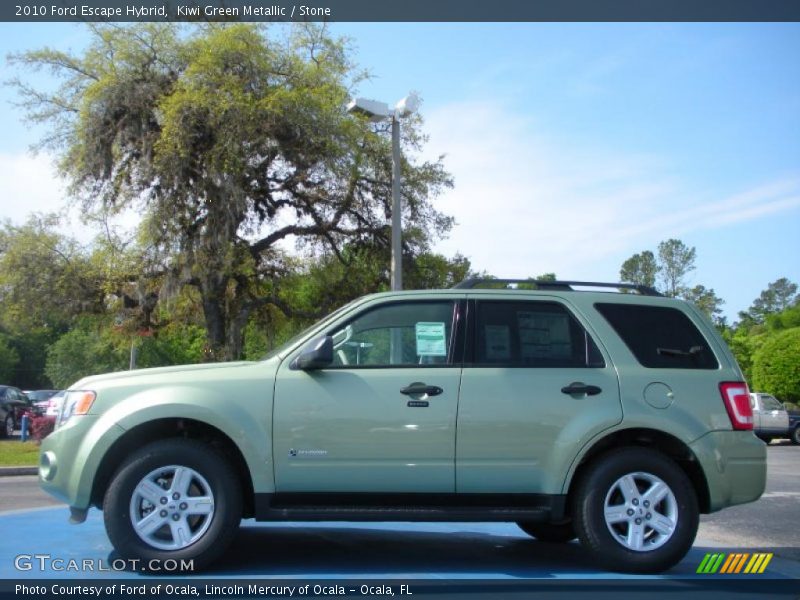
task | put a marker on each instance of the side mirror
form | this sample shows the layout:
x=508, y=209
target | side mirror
x=317, y=355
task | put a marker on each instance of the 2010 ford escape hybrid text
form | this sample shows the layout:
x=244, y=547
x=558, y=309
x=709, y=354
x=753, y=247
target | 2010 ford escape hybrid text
x=616, y=418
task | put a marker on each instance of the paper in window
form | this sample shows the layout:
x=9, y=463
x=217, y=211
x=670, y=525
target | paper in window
x=431, y=339
x=498, y=342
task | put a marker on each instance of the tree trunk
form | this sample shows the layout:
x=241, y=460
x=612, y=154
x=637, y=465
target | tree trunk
x=225, y=320
x=215, y=326
x=235, y=340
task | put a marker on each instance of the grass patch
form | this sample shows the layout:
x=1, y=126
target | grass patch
x=14, y=453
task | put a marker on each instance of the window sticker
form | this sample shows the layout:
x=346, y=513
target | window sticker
x=498, y=342
x=544, y=335
x=431, y=340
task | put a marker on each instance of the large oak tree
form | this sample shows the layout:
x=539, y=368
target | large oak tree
x=229, y=140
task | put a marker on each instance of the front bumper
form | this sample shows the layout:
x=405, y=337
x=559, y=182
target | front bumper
x=70, y=458
x=735, y=466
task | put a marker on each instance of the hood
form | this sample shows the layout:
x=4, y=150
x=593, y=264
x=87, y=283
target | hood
x=92, y=380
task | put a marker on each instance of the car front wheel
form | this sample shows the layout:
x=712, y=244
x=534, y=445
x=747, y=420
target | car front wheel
x=174, y=499
x=636, y=511
x=795, y=437
x=8, y=426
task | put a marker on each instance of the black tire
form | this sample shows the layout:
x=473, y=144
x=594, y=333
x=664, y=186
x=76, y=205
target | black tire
x=8, y=426
x=617, y=545
x=207, y=474
x=555, y=533
x=795, y=435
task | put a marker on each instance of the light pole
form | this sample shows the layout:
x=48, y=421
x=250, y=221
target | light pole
x=378, y=111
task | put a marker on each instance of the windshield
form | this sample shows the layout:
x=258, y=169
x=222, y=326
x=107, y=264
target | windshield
x=286, y=345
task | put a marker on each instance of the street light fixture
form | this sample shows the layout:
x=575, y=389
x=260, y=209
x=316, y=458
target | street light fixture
x=377, y=111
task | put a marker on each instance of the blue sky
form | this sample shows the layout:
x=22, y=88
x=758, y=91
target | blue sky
x=573, y=146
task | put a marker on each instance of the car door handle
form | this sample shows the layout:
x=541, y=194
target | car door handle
x=576, y=387
x=418, y=389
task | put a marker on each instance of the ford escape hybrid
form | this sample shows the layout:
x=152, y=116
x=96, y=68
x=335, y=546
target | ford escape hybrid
x=571, y=409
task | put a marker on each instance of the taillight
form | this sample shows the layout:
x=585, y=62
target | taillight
x=736, y=397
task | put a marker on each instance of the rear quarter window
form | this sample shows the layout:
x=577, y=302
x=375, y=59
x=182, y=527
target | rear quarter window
x=659, y=337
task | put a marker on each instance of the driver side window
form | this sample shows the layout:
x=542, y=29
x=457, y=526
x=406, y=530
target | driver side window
x=396, y=335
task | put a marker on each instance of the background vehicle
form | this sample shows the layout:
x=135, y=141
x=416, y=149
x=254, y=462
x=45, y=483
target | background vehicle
x=40, y=399
x=794, y=427
x=54, y=404
x=12, y=405
x=770, y=418
x=614, y=418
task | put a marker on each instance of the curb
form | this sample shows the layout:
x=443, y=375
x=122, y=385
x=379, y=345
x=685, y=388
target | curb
x=12, y=471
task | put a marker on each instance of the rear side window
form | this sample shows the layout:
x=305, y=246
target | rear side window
x=771, y=403
x=659, y=337
x=531, y=334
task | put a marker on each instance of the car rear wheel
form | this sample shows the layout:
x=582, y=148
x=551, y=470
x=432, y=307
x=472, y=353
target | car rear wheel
x=174, y=499
x=795, y=437
x=635, y=510
x=557, y=533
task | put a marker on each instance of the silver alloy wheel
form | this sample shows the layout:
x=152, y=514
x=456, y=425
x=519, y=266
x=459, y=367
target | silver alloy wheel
x=172, y=507
x=9, y=424
x=641, y=511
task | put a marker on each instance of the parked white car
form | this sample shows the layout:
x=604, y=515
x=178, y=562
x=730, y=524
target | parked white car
x=770, y=417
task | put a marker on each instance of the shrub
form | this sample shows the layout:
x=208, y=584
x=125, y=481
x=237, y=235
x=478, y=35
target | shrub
x=776, y=366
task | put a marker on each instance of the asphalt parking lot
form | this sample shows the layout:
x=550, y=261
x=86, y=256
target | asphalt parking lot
x=31, y=523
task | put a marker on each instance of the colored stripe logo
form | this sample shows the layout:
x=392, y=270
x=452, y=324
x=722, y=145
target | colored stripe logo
x=734, y=563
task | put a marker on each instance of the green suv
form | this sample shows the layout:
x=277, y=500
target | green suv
x=571, y=409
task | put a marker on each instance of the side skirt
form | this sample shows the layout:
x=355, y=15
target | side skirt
x=409, y=507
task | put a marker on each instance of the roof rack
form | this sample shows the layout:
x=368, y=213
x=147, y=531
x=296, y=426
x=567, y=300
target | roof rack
x=560, y=286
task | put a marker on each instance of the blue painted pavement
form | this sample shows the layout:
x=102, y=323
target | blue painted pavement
x=340, y=550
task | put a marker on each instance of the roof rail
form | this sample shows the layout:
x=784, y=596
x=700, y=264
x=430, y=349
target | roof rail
x=561, y=286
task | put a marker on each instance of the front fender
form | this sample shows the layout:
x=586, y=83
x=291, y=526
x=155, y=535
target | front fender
x=248, y=425
x=77, y=448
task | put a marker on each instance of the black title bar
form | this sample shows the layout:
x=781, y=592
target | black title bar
x=189, y=588
x=400, y=10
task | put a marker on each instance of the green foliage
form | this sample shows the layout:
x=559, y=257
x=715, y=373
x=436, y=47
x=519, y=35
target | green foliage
x=88, y=349
x=640, y=269
x=95, y=347
x=786, y=319
x=778, y=296
x=176, y=344
x=744, y=344
x=433, y=271
x=676, y=260
x=776, y=365
x=46, y=278
x=748, y=335
x=706, y=300
x=9, y=359
x=31, y=344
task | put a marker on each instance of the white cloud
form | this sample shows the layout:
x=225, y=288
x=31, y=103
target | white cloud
x=526, y=204
x=29, y=184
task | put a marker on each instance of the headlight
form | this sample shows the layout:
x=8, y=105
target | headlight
x=76, y=403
